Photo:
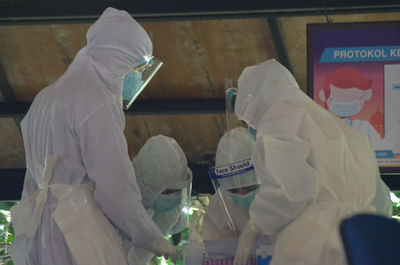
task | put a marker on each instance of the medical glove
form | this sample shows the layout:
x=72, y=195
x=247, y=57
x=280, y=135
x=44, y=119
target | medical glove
x=247, y=240
x=163, y=247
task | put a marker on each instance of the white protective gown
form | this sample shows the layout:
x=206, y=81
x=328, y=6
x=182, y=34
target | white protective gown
x=160, y=165
x=236, y=145
x=314, y=168
x=78, y=122
x=215, y=225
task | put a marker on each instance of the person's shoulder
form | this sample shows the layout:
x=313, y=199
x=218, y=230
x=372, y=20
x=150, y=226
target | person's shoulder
x=281, y=117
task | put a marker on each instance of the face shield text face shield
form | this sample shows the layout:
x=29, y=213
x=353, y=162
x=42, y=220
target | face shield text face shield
x=136, y=80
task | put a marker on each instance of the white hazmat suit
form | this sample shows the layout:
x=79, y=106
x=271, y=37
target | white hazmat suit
x=236, y=145
x=79, y=177
x=161, y=165
x=314, y=168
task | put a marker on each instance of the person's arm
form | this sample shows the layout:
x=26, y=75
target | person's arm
x=284, y=163
x=289, y=182
x=165, y=221
x=105, y=157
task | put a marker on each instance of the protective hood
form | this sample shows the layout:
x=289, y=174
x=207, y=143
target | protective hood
x=236, y=145
x=259, y=87
x=116, y=42
x=160, y=165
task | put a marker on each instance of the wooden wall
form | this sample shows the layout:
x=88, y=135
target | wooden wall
x=197, y=56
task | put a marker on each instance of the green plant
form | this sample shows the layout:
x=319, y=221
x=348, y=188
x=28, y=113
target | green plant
x=396, y=206
x=6, y=232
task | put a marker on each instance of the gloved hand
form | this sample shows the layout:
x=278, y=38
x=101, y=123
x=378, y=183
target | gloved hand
x=247, y=240
x=163, y=247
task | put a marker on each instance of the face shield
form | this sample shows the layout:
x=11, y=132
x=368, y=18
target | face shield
x=238, y=181
x=171, y=200
x=136, y=80
x=231, y=118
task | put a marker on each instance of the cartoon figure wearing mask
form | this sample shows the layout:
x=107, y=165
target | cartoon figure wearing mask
x=80, y=183
x=345, y=91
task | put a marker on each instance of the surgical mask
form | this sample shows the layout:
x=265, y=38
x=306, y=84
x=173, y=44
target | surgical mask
x=167, y=203
x=243, y=200
x=345, y=109
x=253, y=132
x=132, y=84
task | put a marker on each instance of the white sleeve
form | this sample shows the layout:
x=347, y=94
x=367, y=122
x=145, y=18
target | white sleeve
x=105, y=157
x=165, y=221
x=289, y=182
x=382, y=201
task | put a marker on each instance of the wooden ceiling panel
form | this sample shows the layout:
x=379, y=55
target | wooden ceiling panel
x=197, y=135
x=198, y=55
x=33, y=57
x=294, y=36
x=12, y=154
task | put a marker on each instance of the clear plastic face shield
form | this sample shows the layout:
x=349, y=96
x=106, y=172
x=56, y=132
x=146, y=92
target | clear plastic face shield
x=230, y=98
x=187, y=193
x=136, y=80
x=231, y=119
x=226, y=180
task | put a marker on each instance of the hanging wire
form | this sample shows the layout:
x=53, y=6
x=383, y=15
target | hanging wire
x=325, y=11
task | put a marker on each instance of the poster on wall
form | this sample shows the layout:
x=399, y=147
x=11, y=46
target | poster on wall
x=354, y=72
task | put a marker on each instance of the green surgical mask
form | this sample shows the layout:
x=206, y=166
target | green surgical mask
x=167, y=203
x=243, y=200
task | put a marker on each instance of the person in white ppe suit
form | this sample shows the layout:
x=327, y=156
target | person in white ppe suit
x=238, y=191
x=79, y=181
x=314, y=168
x=165, y=183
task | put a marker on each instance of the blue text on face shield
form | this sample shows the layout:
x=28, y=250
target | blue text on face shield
x=167, y=203
x=245, y=200
x=345, y=109
x=132, y=84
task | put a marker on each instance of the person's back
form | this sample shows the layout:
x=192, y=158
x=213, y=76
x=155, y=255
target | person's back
x=315, y=169
x=340, y=182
